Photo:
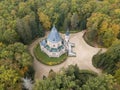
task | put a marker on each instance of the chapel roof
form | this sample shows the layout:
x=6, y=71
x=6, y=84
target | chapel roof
x=43, y=43
x=54, y=36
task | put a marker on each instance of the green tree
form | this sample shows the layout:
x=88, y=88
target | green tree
x=8, y=78
x=44, y=19
x=69, y=79
x=108, y=60
x=117, y=75
x=104, y=82
x=10, y=36
x=74, y=20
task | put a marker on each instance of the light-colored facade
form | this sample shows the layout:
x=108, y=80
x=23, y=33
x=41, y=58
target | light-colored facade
x=54, y=45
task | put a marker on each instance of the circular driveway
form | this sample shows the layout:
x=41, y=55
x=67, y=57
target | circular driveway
x=83, y=59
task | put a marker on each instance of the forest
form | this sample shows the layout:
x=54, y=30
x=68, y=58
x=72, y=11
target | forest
x=22, y=21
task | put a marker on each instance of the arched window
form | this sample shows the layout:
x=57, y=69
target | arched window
x=53, y=45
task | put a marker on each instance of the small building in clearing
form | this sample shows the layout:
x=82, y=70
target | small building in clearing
x=54, y=45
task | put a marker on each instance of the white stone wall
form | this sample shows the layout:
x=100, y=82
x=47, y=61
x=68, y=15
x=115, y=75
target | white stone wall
x=53, y=54
x=54, y=45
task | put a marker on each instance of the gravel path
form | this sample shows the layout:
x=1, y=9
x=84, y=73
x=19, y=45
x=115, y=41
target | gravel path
x=84, y=54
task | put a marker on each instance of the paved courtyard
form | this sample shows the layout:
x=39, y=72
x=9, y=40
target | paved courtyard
x=83, y=59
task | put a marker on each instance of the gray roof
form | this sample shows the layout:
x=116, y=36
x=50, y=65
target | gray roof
x=54, y=36
x=43, y=43
x=67, y=33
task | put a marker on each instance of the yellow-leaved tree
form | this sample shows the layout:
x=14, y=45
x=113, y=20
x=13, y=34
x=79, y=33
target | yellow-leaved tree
x=45, y=20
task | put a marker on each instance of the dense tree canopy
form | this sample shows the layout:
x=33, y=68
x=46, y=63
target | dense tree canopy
x=70, y=14
x=104, y=23
x=24, y=20
x=19, y=21
x=9, y=78
x=109, y=61
x=15, y=63
x=74, y=79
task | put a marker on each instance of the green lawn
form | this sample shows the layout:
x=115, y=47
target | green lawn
x=45, y=59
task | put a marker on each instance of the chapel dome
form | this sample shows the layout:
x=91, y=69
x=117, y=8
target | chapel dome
x=54, y=36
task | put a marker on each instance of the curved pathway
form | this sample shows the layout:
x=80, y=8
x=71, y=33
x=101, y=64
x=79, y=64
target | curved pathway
x=83, y=59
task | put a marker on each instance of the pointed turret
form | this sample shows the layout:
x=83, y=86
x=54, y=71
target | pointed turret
x=54, y=35
x=67, y=32
x=53, y=46
x=67, y=35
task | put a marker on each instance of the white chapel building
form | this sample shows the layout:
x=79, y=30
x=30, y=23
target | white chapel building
x=54, y=45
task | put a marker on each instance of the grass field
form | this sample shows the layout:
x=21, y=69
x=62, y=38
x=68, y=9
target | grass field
x=45, y=59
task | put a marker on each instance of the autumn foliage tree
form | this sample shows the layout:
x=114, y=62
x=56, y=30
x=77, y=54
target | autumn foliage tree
x=44, y=19
x=104, y=24
x=74, y=79
x=15, y=63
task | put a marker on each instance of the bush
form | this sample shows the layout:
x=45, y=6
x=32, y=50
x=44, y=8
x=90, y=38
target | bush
x=108, y=60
